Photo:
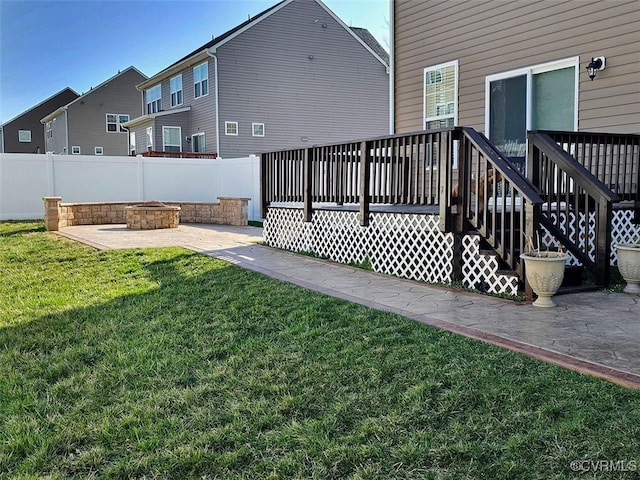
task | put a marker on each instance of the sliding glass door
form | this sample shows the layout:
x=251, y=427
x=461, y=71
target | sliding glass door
x=536, y=98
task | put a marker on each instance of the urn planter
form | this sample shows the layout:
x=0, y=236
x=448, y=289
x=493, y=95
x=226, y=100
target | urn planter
x=545, y=272
x=629, y=265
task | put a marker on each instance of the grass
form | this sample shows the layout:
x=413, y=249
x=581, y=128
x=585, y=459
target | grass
x=168, y=364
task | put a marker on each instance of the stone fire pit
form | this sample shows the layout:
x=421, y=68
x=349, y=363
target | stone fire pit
x=152, y=216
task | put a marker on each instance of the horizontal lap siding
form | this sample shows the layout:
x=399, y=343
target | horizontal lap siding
x=87, y=117
x=489, y=37
x=181, y=120
x=266, y=76
x=30, y=120
x=58, y=142
x=203, y=117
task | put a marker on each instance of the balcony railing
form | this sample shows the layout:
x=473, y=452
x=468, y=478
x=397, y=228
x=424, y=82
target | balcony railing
x=152, y=153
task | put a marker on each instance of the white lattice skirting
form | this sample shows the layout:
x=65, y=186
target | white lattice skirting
x=405, y=245
x=623, y=230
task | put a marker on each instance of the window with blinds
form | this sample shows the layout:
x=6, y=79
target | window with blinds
x=441, y=95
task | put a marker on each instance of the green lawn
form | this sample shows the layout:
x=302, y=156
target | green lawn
x=168, y=364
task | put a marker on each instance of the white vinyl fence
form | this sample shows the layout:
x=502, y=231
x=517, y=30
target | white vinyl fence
x=26, y=178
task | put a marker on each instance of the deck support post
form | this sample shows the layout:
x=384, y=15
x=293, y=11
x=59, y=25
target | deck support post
x=365, y=170
x=308, y=184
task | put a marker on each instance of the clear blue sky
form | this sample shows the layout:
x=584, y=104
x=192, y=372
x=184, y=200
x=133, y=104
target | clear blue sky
x=48, y=45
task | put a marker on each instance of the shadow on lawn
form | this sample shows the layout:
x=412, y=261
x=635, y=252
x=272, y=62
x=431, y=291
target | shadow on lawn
x=34, y=226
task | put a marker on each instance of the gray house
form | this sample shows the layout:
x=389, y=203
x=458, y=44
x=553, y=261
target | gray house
x=92, y=123
x=292, y=75
x=23, y=133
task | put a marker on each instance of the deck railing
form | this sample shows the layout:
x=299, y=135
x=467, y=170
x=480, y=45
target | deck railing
x=445, y=167
x=398, y=169
x=153, y=153
x=578, y=206
x=614, y=159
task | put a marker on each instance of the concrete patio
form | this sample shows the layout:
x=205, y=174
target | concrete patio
x=597, y=333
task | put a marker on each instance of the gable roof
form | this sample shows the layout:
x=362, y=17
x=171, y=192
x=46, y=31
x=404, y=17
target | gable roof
x=64, y=90
x=370, y=40
x=200, y=53
x=91, y=90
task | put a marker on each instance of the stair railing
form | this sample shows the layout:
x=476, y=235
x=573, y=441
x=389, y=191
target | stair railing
x=495, y=199
x=578, y=207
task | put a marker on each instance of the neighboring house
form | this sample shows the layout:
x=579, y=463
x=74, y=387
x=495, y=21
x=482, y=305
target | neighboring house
x=507, y=67
x=23, y=133
x=92, y=123
x=291, y=76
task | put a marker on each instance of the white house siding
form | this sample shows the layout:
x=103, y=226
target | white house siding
x=307, y=83
x=491, y=37
x=87, y=115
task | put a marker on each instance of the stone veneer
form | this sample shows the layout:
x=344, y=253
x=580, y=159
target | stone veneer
x=229, y=211
x=152, y=216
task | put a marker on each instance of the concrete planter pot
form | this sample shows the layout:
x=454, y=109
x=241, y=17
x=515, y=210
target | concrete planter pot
x=545, y=272
x=629, y=266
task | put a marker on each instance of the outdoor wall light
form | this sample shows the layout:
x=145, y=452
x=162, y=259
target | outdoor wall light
x=596, y=64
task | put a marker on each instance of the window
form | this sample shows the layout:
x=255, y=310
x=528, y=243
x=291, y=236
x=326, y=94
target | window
x=115, y=121
x=149, y=138
x=542, y=97
x=24, y=136
x=49, y=130
x=154, y=99
x=231, y=128
x=75, y=150
x=99, y=150
x=175, y=87
x=201, y=80
x=257, y=129
x=112, y=122
x=171, y=139
x=441, y=95
x=198, y=143
x=123, y=118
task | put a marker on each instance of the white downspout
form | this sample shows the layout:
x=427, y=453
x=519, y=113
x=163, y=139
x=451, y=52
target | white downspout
x=392, y=75
x=215, y=76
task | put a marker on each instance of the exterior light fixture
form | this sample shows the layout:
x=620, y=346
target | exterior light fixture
x=597, y=63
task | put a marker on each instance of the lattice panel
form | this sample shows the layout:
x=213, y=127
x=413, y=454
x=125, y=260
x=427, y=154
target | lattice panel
x=410, y=246
x=480, y=271
x=338, y=236
x=404, y=245
x=284, y=228
x=623, y=230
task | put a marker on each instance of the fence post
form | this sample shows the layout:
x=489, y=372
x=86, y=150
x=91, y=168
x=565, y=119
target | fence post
x=51, y=185
x=365, y=171
x=140, y=168
x=308, y=184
